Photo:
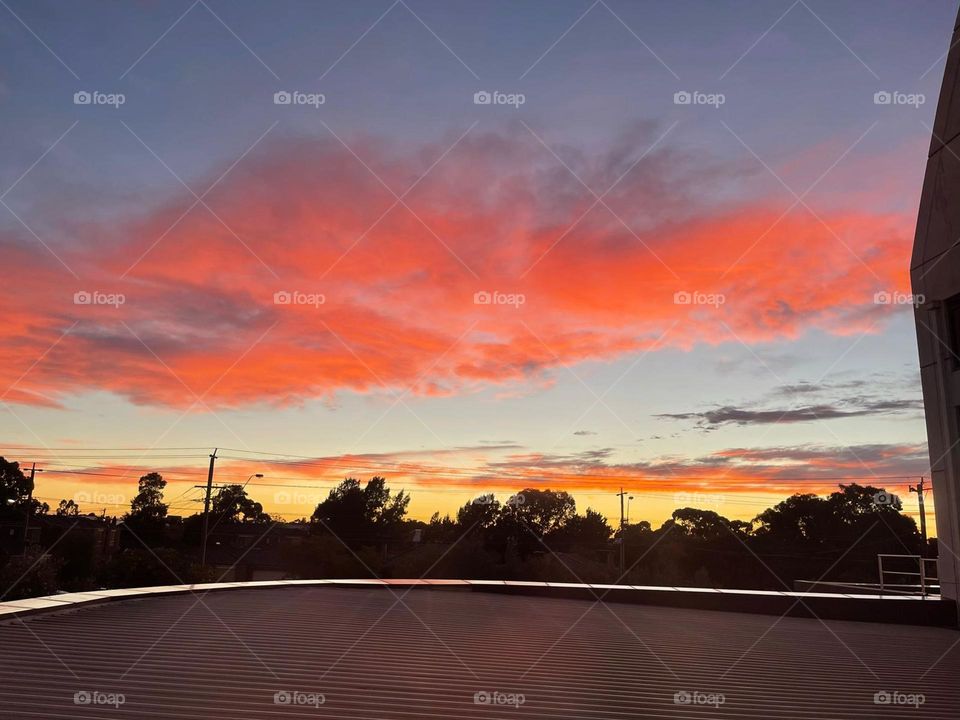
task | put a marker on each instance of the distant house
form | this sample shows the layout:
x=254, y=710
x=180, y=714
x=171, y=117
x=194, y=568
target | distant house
x=99, y=535
x=13, y=533
x=242, y=551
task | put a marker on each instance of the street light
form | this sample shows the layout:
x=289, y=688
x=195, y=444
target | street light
x=629, y=498
x=255, y=475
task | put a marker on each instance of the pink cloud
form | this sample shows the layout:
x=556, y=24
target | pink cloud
x=496, y=215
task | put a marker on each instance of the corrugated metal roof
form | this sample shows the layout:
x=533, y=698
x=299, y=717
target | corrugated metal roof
x=337, y=652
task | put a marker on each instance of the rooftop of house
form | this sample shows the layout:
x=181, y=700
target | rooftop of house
x=412, y=651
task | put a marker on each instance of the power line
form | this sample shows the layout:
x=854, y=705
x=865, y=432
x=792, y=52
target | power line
x=342, y=463
x=547, y=476
x=479, y=486
x=95, y=449
x=709, y=495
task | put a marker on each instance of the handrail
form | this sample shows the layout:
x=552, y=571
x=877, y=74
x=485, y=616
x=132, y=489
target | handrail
x=922, y=574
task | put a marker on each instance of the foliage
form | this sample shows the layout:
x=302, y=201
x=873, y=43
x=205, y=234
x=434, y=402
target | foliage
x=361, y=515
x=67, y=508
x=16, y=490
x=324, y=556
x=361, y=531
x=144, y=524
x=232, y=505
x=30, y=575
x=164, y=566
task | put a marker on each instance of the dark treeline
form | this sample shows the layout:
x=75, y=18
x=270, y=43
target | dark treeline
x=362, y=530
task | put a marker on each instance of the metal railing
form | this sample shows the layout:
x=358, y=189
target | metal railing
x=925, y=583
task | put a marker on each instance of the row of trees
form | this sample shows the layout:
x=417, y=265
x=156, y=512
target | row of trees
x=537, y=534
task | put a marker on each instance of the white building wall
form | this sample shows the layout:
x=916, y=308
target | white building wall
x=935, y=275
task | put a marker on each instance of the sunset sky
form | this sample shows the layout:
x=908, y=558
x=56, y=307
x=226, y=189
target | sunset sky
x=780, y=201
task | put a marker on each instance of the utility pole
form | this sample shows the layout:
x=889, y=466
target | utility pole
x=919, y=490
x=206, y=509
x=623, y=525
x=26, y=520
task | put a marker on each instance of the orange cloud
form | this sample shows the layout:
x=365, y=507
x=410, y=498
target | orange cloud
x=399, y=280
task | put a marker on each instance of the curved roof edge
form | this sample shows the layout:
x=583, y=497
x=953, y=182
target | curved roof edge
x=854, y=606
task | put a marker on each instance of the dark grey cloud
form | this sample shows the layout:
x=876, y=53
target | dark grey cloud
x=824, y=463
x=731, y=415
x=806, y=387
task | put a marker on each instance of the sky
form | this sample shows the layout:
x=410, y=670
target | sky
x=470, y=246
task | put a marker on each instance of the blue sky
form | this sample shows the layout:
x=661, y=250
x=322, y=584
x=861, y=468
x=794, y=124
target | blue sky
x=798, y=136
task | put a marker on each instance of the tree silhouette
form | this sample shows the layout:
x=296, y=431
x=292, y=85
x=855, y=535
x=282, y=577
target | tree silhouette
x=361, y=515
x=706, y=524
x=531, y=515
x=232, y=505
x=589, y=532
x=145, y=521
x=15, y=491
x=480, y=513
x=67, y=508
